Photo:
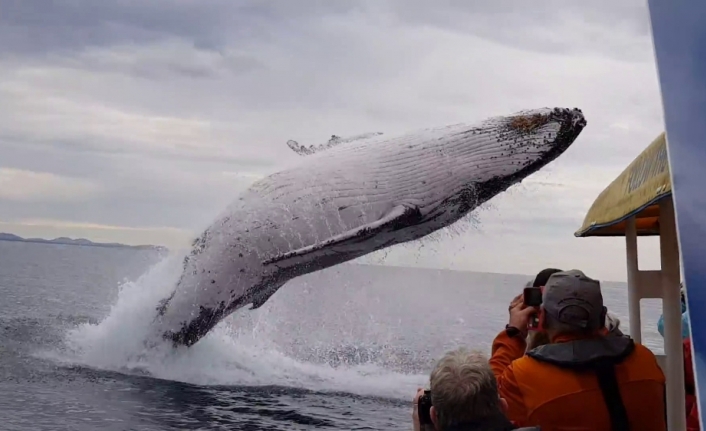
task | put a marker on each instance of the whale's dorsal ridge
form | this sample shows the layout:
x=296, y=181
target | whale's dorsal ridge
x=334, y=141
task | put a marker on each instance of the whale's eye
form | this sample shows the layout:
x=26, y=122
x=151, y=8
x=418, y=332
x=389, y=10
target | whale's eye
x=527, y=123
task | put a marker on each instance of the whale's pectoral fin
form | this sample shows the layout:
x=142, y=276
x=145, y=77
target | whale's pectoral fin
x=397, y=218
x=335, y=140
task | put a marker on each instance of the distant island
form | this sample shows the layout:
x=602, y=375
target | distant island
x=80, y=242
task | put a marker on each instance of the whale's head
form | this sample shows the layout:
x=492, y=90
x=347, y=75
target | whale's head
x=502, y=151
x=509, y=149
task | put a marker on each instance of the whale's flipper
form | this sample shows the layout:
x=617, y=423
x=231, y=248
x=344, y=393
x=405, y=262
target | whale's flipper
x=397, y=218
x=335, y=140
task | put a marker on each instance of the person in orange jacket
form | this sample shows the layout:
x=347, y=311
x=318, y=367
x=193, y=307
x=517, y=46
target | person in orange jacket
x=540, y=338
x=692, y=405
x=584, y=379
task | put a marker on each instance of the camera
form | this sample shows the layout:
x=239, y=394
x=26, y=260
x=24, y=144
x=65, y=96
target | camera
x=532, y=296
x=424, y=407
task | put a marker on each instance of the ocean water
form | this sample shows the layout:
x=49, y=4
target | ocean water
x=342, y=349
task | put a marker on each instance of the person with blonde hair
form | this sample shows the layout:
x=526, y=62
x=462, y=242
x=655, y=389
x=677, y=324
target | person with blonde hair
x=463, y=396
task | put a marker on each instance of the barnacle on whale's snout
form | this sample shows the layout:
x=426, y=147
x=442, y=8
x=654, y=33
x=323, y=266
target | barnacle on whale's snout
x=528, y=123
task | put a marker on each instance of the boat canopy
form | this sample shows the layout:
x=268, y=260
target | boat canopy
x=639, y=203
x=637, y=192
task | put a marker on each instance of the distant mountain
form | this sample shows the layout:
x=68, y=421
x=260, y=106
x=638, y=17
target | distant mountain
x=80, y=242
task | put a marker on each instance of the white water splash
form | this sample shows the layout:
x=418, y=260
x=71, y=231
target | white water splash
x=226, y=356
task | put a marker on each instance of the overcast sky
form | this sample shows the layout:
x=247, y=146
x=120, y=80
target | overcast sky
x=138, y=121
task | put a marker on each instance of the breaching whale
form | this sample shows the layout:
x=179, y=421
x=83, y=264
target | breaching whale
x=348, y=198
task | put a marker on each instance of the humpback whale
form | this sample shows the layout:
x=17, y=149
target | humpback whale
x=350, y=197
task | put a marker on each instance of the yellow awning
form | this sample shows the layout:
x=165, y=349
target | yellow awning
x=636, y=191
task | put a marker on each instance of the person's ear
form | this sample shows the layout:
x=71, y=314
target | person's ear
x=433, y=417
x=503, y=405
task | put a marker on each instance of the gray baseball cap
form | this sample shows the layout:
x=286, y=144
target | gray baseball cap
x=574, y=299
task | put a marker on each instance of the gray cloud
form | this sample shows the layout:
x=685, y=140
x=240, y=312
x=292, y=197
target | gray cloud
x=542, y=26
x=158, y=192
x=39, y=28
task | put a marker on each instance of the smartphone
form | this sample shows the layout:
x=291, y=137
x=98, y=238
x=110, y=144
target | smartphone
x=532, y=296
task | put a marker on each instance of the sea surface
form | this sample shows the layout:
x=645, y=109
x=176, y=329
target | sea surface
x=342, y=349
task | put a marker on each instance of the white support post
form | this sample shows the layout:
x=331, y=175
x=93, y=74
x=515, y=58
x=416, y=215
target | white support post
x=671, y=309
x=633, y=281
x=664, y=284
